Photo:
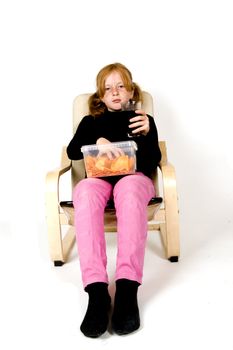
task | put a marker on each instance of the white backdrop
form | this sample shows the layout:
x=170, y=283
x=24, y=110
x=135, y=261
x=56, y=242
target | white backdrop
x=180, y=51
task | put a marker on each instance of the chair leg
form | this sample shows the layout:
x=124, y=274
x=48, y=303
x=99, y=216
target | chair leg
x=59, y=247
x=171, y=245
x=174, y=259
x=55, y=238
x=170, y=228
x=58, y=263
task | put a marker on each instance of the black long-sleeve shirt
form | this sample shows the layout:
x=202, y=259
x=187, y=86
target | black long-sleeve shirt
x=114, y=127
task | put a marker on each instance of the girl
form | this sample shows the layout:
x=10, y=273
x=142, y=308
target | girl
x=130, y=193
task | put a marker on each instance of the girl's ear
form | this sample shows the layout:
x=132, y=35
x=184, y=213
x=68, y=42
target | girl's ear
x=131, y=94
x=101, y=99
x=133, y=90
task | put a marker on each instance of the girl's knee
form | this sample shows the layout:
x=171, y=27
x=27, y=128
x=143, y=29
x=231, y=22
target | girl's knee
x=133, y=182
x=135, y=187
x=81, y=186
x=91, y=186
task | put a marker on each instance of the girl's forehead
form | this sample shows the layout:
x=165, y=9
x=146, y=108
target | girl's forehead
x=113, y=77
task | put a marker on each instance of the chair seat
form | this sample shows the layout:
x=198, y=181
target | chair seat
x=110, y=212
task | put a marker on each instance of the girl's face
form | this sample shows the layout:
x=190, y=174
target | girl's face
x=115, y=92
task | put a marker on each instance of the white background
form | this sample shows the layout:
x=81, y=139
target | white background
x=180, y=51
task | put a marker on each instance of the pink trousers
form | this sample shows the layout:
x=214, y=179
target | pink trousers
x=131, y=195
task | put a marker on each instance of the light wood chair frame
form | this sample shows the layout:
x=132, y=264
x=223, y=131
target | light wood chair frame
x=164, y=218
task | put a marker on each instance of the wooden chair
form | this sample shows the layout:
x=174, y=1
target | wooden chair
x=163, y=217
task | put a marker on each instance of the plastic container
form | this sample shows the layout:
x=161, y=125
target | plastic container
x=116, y=158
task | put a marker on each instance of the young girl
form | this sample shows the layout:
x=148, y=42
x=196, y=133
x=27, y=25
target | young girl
x=130, y=193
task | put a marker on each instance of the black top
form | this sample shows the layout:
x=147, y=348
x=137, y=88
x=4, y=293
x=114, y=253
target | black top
x=114, y=127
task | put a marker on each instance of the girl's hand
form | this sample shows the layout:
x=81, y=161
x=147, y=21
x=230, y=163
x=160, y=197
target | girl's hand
x=140, y=122
x=109, y=150
x=102, y=141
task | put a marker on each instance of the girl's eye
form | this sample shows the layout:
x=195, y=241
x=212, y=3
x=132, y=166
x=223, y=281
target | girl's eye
x=117, y=87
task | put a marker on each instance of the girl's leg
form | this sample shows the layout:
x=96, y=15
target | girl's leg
x=131, y=196
x=90, y=197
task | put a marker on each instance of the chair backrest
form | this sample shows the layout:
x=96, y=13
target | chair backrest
x=80, y=109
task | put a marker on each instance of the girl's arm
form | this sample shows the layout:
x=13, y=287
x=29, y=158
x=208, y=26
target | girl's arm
x=84, y=135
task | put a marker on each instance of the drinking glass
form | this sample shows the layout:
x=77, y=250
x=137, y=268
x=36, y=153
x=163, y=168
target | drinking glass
x=131, y=106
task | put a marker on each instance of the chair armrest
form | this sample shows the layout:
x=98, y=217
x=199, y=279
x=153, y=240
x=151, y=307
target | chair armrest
x=53, y=177
x=58, y=246
x=168, y=180
x=168, y=176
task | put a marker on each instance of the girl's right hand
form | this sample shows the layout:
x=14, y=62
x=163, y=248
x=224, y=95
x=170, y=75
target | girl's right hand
x=110, y=151
x=102, y=141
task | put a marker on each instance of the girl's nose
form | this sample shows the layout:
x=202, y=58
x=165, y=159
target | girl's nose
x=114, y=90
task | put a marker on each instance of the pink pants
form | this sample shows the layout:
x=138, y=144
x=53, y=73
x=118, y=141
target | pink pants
x=131, y=195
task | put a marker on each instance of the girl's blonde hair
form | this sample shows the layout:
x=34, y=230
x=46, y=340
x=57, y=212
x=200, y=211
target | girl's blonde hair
x=96, y=106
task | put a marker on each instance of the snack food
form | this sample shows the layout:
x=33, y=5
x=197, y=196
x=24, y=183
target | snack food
x=105, y=160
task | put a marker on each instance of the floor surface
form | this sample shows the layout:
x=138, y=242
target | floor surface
x=184, y=305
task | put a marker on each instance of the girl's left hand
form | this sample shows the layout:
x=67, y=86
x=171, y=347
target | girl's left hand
x=140, y=123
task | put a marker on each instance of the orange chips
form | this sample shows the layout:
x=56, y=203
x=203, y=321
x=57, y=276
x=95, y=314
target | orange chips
x=109, y=159
x=103, y=166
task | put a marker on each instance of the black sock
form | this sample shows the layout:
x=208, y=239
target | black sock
x=95, y=322
x=125, y=318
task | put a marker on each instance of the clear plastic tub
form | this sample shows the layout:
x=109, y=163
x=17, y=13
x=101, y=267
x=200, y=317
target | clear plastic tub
x=116, y=158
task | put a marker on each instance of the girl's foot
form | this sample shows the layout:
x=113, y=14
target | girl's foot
x=125, y=318
x=96, y=319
